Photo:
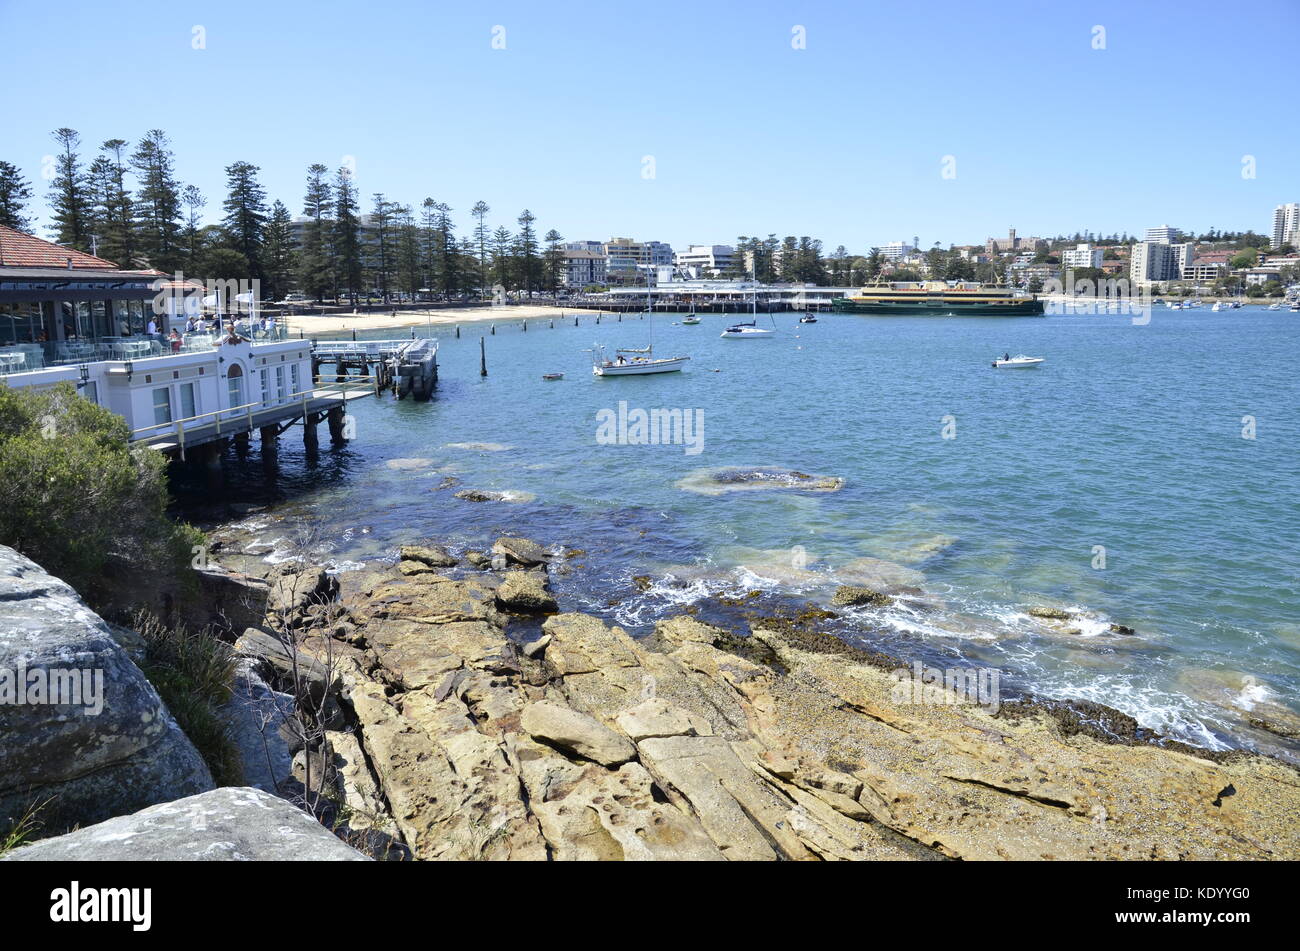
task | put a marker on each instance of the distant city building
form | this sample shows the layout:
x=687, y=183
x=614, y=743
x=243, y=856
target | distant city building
x=1286, y=225
x=972, y=252
x=583, y=266
x=1163, y=235
x=1203, y=271
x=1262, y=275
x=1013, y=243
x=1159, y=261
x=625, y=257
x=896, y=249
x=1082, y=255
x=706, y=260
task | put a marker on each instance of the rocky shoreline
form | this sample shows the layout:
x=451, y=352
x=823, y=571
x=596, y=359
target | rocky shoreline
x=445, y=710
x=470, y=735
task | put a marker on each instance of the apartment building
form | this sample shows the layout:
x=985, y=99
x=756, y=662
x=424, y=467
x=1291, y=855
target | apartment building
x=1286, y=225
x=1082, y=255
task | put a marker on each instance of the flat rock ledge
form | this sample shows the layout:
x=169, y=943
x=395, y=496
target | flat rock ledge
x=699, y=743
x=230, y=824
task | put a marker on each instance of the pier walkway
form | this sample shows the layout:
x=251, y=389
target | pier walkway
x=323, y=401
x=406, y=367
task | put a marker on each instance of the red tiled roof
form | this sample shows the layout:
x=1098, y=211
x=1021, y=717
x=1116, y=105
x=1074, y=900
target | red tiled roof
x=25, y=250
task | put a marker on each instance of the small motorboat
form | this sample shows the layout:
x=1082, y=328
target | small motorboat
x=552, y=376
x=808, y=318
x=1018, y=362
x=1274, y=306
x=690, y=320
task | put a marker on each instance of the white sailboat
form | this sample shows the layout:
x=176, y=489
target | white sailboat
x=750, y=330
x=642, y=362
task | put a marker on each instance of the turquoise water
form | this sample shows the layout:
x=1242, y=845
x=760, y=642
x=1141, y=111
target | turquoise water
x=1128, y=437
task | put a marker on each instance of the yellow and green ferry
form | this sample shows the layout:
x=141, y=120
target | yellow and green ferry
x=939, y=299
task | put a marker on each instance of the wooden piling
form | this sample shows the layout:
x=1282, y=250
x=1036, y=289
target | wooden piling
x=482, y=356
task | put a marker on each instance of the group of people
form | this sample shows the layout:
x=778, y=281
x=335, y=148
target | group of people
x=244, y=326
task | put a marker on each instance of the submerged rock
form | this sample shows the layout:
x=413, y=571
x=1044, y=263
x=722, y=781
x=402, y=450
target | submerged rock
x=737, y=479
x=479, y=446
x=407, y=465
x=484, y=495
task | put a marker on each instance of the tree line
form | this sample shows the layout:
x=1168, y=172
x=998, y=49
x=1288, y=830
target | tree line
x=127, y=205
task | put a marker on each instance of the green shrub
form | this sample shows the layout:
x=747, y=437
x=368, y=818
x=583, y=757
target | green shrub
x=194, y=675
x=78, y=500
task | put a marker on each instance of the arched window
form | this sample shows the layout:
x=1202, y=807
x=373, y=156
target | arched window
x=235, y=385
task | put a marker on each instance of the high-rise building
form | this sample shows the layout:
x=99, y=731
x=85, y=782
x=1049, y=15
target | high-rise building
x=1163, y=235
x=1286, y=225
x=1159, y=261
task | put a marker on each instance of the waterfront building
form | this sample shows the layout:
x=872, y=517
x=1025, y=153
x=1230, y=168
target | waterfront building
x=57, y=304
x=1262, y=275
x=68, y=317
x=1286, y=225
x=1202, y=271
x=583, y=267
x=624, y=257
x=1159, y=261
x=706, y=260
x=1082, y=255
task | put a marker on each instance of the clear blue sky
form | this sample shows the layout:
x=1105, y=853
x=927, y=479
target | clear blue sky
x=842, y=140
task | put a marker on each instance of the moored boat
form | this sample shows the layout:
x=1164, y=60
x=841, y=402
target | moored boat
x=748, y=331
x=939, y=298
x=636, y=366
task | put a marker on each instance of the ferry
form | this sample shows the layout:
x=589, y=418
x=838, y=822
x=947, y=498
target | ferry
x=939, y=298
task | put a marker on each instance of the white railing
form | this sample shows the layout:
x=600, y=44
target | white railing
x=246, y=412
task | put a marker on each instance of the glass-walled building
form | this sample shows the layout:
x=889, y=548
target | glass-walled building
x=58, y=305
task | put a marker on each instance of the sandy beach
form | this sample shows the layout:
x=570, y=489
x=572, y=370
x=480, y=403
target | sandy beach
x=387, y=320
